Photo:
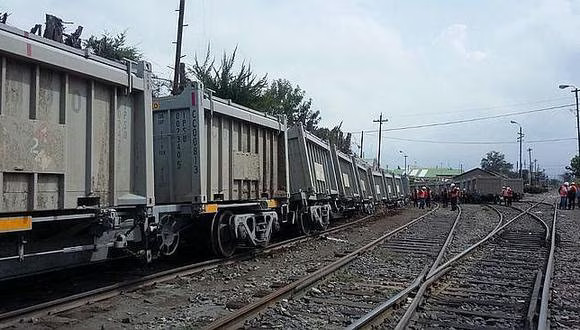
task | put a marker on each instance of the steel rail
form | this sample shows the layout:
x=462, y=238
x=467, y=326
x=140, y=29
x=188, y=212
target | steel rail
x=110, y=291
x=242, y=314
x=536, y=217
x=545, y=300
x=373, y=316
x=447, y=265
x=441, y=253
x=485, y=239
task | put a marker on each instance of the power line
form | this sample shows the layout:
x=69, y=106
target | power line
x=476, y=142
x=482, y=108
x=447, y=123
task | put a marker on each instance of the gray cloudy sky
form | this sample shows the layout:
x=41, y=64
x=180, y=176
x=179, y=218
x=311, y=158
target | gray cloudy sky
x=416, y=61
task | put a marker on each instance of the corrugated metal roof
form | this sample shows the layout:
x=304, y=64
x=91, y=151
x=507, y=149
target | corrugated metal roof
x=431, y=172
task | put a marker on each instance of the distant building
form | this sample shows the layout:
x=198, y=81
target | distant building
x=430, y=175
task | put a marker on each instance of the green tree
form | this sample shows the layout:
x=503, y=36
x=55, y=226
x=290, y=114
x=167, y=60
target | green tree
x=281, y=98
x=494, y=161
x=242, y=86
x=336, y=137
x=574, y=167
x=113, y=47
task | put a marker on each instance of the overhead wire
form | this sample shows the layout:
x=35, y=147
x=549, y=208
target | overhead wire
x=477, y=142
x=461, y=121
x=482, y=108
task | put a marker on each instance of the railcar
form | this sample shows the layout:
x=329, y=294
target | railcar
x=399, y=187
x=218, y=165
x=378, y=185
x=485, y=186
x=349, y=197
x=390, y=181
x=76, y=158
x=313, y=179
x=406, y=186
x=364, y=182
x=93, y=168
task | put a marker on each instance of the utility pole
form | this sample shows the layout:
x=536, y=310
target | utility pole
x=536, y=170
x=380, y=121
x=575, y=90
x=362, y=138
x=577, y=119
x=520, y=138
x=530, y=154
x=176, y=68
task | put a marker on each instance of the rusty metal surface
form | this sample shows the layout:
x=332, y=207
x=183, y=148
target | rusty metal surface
x=63, y=137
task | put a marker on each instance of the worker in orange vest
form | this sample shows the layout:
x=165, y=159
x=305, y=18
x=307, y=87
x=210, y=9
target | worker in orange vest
x=421, y=195
x=454, y=196
x=503, y=196
x=509, y=193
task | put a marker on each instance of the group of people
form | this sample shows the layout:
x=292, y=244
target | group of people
x=422, y=197
x=507, y=195
x=568, y=195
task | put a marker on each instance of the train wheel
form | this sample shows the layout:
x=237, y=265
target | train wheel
x=305, y=223
x=223, y=238
x=169, y=236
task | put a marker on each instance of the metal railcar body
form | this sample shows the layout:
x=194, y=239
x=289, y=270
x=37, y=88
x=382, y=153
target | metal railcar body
x=221, y=164
x=379, y=185
x=76, y=157
x=399, y=186
x=406, y=186
x=364, y=182
x=346, y=176
x=390, y=181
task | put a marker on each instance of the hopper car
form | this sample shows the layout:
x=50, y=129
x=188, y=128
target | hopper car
x=92, y=167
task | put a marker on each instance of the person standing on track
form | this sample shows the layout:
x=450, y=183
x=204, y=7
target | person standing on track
x=445, y=198
x=563, y=191
x=421, y=195
x=578, y=196
x=509, y=195
x=572, y=196
x=454, y=196
x=428, y=197
x=414, y=197
x=503, y=196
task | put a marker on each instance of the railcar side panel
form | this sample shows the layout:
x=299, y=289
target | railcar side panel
x=345, y=175
x=379, y=185
x=312, y=167
x=63, y=138
x=208, y=150
x=364, y=181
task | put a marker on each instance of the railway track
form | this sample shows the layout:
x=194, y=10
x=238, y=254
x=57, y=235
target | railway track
x=338, y=293
x=61, y=304
x=495, y=283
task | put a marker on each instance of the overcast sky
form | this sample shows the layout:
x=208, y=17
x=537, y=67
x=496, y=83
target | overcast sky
x=418, y=62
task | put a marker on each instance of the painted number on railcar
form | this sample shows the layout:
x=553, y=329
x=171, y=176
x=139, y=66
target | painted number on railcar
x=194, y=141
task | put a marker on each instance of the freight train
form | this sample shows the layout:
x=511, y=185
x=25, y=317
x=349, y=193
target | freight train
x=93, y=168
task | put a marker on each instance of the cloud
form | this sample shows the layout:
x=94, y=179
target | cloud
x=455, y=36
x=357, y=58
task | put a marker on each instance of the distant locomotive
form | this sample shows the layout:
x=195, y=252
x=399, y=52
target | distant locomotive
x=93, y=168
